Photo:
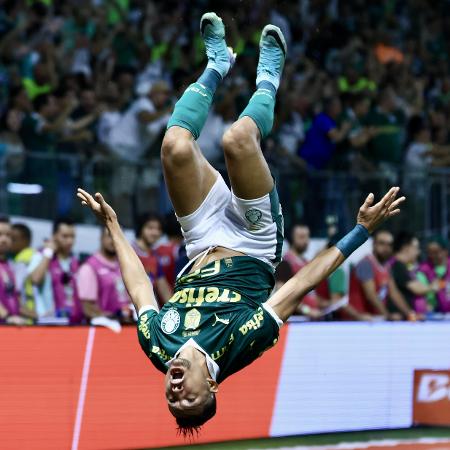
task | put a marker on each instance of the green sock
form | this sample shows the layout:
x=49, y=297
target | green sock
x=192, y=109
x=261, y=109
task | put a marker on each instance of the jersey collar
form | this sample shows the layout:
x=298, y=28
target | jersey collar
x=213, y=367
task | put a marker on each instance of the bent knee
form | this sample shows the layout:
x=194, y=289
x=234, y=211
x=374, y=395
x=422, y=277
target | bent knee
x=177, y=148
x=237, y=141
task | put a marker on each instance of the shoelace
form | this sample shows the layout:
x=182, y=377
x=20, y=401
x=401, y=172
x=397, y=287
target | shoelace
x=211, y=43
x=270, y=59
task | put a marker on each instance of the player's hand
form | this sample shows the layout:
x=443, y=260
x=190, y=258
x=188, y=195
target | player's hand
x=99, y=207
x=371, y=216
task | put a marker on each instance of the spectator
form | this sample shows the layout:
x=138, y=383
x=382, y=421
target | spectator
x=169, y=252
x=359, y=134
x=132, y=136
x=100, y=284
x=333, y=288
x=406, y=249
x=324, y=134
x=371, y=284
x=23, y=253
x=52, y=272
x=437, y=268
x=9, y=297
x=386, y=147
x=111, y=116
x=295, y=259
x=148, y=232
x=295, y=256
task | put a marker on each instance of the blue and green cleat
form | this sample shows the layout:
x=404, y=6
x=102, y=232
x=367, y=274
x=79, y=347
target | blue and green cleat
x=220, y=57
x=272, y=53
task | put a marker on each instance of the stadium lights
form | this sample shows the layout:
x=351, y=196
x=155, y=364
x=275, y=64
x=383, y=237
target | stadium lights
x=23, y=188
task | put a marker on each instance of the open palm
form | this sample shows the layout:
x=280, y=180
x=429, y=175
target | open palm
x=372, y=216
x=98, y=205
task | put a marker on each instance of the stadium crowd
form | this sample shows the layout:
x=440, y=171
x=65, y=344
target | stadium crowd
x=51, y=285
x=365, y=91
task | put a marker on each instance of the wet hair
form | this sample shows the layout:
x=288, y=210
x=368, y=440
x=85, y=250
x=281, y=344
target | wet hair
x=403, y=239
x=62, y=221
x=191, y=425
x=143, y=219
x=24, y=230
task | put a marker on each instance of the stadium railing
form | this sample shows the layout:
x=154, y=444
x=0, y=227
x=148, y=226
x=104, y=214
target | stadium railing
x=40, y=185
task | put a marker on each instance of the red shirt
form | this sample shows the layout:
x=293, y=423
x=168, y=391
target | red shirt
x=380, y=276
x=297, y=263
x=150, y=261
x=168, y=255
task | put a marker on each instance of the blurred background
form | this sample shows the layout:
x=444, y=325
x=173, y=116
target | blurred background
x=364, y=104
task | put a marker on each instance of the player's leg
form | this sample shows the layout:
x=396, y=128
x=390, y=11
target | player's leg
x=249, y=173
x=188, y=175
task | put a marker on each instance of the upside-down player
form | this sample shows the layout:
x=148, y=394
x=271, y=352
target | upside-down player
x=220, y=318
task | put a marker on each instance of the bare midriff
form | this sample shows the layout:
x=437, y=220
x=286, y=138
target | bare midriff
x=213, y=255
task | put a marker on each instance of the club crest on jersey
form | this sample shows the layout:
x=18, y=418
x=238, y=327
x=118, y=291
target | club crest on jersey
x=170, y=321
x=192, y=319
x=254, y=215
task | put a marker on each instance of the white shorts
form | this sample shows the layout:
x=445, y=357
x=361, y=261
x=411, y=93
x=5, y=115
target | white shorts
x=253, y=227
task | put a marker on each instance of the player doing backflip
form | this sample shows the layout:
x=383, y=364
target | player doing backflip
x=221, y=318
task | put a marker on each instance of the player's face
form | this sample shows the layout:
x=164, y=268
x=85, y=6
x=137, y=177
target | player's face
x=436, y=254
x=5, y=238
x=187, y=389
x=382, y=246
x=151, y=232
x=65, y=238
x=300, y=238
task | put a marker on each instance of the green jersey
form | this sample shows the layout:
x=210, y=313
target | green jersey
x=221, y=307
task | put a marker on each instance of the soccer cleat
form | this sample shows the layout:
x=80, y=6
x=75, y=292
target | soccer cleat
x=272, y=53
x=220, y=57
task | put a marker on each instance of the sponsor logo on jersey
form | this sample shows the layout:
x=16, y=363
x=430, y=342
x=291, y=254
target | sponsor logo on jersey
x=170, y=321
x=195, y=297
x=192, y=319
x=219, y=353
x=143, y=326
x=254, y=216
x=254, y=323
x=220, y=320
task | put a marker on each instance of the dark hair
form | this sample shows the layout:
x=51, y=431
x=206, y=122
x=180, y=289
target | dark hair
x=293, y=227
x=143, y=219
x=24, y=230
x=62, y=221
x=380, y=231
x=403, y=239
x=356, y=98
x=40, y=101
x=4, y=219
x=188, y=426
x=439, y=240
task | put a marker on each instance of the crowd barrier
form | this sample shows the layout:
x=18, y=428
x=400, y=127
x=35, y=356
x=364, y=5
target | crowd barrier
x=89, y=388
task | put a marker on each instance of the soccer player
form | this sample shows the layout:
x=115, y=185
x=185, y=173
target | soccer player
x=220, y=319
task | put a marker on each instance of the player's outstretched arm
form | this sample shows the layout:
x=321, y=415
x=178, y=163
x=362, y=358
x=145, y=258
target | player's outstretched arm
x=134, y=276
x=285, y=301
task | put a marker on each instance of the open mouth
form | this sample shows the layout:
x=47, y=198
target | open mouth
x=176, y=375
